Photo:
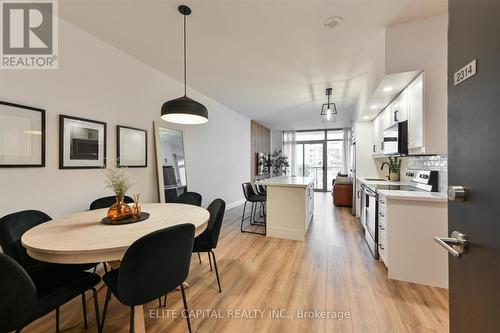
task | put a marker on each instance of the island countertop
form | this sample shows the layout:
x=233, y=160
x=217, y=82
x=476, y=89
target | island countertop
x=287, y=181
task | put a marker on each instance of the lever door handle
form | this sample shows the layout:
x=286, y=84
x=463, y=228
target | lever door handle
x=456, y=245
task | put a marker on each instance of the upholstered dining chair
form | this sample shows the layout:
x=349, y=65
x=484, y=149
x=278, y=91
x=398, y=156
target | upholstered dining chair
x=207, y=240
x=13, y=226
x=190, y=198
x=254, y=199
x=27, y=297
x=154, y=265
x=106, y=202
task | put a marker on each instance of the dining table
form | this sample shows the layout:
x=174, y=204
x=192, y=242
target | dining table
x=82, y=238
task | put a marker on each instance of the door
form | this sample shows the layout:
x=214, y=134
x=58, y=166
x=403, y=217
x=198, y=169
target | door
x=474, y=157
x=314, y=164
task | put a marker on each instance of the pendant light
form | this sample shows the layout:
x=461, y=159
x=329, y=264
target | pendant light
x=184, y=110
x=328, y=110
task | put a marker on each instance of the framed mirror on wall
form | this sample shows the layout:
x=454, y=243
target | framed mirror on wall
x=171, y=164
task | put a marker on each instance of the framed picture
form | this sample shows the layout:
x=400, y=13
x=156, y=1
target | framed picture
x=132, y=147
x=82, y=143
x=22, y=136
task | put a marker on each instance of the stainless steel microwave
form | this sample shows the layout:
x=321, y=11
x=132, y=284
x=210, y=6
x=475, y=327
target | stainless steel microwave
x=396, y=139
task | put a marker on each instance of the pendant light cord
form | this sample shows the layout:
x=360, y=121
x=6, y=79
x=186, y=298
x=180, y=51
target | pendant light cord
x=185, y=79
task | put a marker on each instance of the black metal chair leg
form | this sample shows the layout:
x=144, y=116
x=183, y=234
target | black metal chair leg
x=165, y=301
x=210, y=261
x=186, y=310
x=243, y=216
x=159, y=302
x=132, y=312
x=216, y=271
x=243, y=219
x=105, y=267
x=96, y=307
x=106, y=301
x=84, y=306
x=199, y=257
x=57, y=320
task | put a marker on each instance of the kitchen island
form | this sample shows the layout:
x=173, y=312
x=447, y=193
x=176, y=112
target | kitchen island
x=290, y=206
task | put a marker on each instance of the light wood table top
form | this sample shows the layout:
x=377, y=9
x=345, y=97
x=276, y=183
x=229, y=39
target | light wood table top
x=81, y=238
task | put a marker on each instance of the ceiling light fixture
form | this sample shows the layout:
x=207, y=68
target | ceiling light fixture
x=184, y=110
x=328, y=110
x=387, y=89
x=332, y=22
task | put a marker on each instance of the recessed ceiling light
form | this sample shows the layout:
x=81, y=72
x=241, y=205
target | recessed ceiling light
x=332, y=22
x=386, y=89
x=374, y=106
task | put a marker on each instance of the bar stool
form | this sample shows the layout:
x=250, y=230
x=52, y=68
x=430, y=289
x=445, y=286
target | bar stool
x=254, y=199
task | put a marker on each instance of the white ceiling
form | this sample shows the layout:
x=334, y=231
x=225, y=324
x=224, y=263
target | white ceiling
x=269, y=60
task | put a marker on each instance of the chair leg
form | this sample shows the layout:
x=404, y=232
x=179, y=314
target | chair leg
x=96, y=307
x=243, y=216
x=199, y=257
x=105, y=267
x=84, y=306
x=243, y=219
x=210, y=261
x=132, y=319
x=165, y=301
x=159, y=302
x=106, y=301
x=216, y=271
x=57, y=320
x=186, y=310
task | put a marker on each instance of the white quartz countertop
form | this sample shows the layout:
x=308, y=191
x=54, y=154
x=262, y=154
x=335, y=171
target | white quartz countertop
x=287, y=181
x=405, y=195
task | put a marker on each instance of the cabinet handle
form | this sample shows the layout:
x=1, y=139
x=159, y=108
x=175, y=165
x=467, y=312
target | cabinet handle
x=396, y=115
x=374, y=149
x=359, y=194
x=381, y=227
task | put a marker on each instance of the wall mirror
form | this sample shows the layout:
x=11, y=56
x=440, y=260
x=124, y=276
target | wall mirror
x=171, y=164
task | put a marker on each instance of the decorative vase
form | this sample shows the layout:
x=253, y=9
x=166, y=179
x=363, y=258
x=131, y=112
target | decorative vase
x=119, y=210
x=136, y=208
x=394, y=176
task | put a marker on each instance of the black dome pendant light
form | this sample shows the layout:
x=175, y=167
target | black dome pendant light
x=184, y=110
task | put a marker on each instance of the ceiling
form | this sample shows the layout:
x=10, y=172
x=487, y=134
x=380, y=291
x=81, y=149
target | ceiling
x=269, y=60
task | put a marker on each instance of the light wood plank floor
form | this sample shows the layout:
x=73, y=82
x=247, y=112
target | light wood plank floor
x=332, y=271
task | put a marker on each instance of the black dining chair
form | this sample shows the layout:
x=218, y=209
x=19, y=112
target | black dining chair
x=207, y=240
x=254, y=199
x=106, y=202
x=13, y=226
x=190, y=198
x=27, y=297
x=153, y=265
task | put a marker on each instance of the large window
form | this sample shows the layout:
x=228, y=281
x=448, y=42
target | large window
x=312, y=149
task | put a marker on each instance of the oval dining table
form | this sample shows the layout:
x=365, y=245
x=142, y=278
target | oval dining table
x=81, y=238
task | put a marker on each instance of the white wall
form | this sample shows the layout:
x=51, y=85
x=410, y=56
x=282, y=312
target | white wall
x=276, y=140
x=99, y=82
x=422, y=45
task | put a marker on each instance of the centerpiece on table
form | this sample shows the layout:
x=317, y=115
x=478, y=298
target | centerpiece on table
x=118, y=180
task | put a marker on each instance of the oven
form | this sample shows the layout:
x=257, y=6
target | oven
x=369, y=218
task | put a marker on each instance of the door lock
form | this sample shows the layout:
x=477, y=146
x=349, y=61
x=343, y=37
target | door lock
x=457, y=193
x=456, y=245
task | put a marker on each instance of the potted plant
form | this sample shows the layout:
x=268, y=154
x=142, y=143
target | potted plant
x=117, y=180
x=394, y=168
x=279, y=163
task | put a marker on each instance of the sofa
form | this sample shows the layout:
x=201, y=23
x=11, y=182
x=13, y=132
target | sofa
x=342, y=191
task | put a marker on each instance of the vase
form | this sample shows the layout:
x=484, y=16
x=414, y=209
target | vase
x=394, y=176
x=119, y=210
x=136, y=208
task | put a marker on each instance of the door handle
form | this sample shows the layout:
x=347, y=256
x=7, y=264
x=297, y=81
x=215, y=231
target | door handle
x=456, y=245
x=457, y=193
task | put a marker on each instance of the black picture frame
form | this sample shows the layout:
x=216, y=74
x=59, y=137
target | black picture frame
x=119, y=162
x=62, y=143
x=42, y=141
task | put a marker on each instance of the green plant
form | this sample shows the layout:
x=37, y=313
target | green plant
x=394, y=164
x=117, y=179
x=279, y=163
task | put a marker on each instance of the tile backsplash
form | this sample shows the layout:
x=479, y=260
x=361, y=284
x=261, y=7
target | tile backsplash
x=434, y=162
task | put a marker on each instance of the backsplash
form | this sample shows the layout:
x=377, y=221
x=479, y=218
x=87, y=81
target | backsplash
x=434, y=162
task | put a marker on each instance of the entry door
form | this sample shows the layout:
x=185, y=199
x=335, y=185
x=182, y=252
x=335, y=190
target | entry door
x=314, y=165
x=474, y=160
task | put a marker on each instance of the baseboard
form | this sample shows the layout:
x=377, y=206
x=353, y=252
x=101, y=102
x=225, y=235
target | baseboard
x=235, y=204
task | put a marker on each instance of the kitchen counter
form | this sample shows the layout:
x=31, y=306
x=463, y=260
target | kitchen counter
x=405, y=195
x=287, y=181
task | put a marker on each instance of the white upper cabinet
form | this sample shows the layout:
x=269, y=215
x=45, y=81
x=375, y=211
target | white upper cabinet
x=399, y=108
x=416, y=113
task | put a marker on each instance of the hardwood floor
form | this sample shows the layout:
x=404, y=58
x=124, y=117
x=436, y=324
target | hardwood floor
x=332, y=271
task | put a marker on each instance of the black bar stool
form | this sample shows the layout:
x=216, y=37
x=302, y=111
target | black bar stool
x=254, y=199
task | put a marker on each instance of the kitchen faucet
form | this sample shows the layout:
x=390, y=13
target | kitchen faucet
x=382, y=168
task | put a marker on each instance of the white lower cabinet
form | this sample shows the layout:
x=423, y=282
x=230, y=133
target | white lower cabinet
x=406, y=230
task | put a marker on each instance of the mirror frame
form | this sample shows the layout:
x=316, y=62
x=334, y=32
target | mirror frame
x=159, y=166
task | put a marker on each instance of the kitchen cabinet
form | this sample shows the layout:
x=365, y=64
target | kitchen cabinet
x=416, y=113
x=399, y=108
x=377, y=135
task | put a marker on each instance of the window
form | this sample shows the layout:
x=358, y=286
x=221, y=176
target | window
x=310, y=136
x=335, y=135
